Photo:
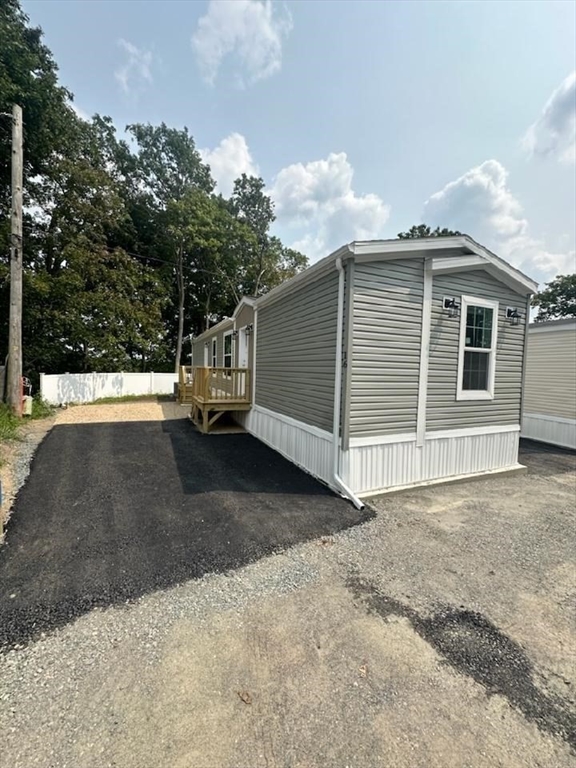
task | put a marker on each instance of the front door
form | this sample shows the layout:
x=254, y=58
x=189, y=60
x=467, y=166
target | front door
x=243, y=349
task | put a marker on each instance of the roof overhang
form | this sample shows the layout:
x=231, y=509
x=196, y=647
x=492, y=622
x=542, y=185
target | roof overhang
x=448, y=254
x=245, y=301
x=548, y=326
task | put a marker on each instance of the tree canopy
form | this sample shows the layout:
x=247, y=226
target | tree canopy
x=423, y=230
x=557, y=299
x=127, y=247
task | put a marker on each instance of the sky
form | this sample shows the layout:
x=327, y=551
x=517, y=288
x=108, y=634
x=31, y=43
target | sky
x=363, y=118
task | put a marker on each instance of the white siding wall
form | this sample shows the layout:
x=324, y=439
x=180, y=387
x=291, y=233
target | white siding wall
x=549, y=409
x=381, y=467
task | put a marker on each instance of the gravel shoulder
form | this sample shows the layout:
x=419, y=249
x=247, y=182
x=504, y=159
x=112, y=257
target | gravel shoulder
x=438, y=634
x=16, y=457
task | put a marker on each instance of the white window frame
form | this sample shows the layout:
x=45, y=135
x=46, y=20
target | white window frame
x=214, y=350
x=228, y=333
x=477, y=394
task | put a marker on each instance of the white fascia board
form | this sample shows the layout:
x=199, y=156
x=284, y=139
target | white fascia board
x=501, y=269
x=462, y=246
x=410, y=246
x=548, y=326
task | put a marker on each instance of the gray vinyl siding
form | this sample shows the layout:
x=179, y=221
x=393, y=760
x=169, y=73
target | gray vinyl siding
x=443, y=411
x=295, y=353
x=199, y=347
x=387, y=321
x=550, y=387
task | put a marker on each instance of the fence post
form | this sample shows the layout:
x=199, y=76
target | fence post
x=93, y=386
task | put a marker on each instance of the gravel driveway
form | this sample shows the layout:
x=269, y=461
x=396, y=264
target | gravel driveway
x=439, y=633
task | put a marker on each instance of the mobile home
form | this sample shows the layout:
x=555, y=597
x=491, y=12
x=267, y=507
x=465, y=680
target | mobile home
x=387, y=364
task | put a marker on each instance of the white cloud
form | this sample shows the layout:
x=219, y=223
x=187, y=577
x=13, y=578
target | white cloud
x=250, y=30
x=318, y=198
x=229, y=160
x=136, y=71
x=481, y=204
x=554, y=132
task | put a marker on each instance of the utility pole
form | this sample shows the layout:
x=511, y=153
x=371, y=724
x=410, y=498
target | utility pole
x=14, y=372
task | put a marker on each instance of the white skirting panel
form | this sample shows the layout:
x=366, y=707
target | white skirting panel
x=549, y=429
x=305, y=445
x=384, y=466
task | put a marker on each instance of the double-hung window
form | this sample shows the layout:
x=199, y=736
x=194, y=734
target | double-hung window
x=477, y=352
x=214, y=353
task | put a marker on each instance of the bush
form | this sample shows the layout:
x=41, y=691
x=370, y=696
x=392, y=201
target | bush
x=8, y=423
x=40, y=408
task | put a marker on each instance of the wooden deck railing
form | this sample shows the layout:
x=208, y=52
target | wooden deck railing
x=221, y=385
x=184, y=374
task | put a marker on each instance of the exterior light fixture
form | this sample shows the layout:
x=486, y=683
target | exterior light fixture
x=206, y=344
x=451, y=306
x=248, y=329
x=234, y=333
x=513, y=316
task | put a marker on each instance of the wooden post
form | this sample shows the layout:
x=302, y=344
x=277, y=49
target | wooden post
x=14, y=373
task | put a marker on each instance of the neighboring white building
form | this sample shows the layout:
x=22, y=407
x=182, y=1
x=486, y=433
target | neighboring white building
x=549, y=407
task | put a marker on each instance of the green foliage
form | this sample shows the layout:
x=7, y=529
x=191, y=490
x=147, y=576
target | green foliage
x=8, y=423
x=557, y=300
x=125, y=246
x=40, y=408
x=423, y=230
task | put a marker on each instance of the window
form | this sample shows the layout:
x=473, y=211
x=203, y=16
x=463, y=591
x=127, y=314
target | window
x=228, y=350
x=214, y=351
x=477, y=353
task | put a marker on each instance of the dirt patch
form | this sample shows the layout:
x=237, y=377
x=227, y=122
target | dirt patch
x=141, y=410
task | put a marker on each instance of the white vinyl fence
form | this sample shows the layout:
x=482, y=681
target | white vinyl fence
x=86, y=387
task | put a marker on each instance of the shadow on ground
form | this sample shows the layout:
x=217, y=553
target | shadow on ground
x=546, y=459
x=112, y=511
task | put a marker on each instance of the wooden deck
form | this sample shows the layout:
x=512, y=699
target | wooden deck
x=216, y=390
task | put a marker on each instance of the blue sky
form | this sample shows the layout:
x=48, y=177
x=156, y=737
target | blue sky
x=362, y=117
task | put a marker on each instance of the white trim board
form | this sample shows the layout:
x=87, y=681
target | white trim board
x=410, y=437
x=474, y=394
x=424, y=352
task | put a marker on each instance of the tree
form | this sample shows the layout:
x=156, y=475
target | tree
x=266, y=263
x=557, y=300
x=169, y=168
x=423, y=230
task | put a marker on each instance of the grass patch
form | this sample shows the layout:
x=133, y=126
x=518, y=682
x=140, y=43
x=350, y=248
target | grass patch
x=133, y=399
x=8, y=423
x=40, y=408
